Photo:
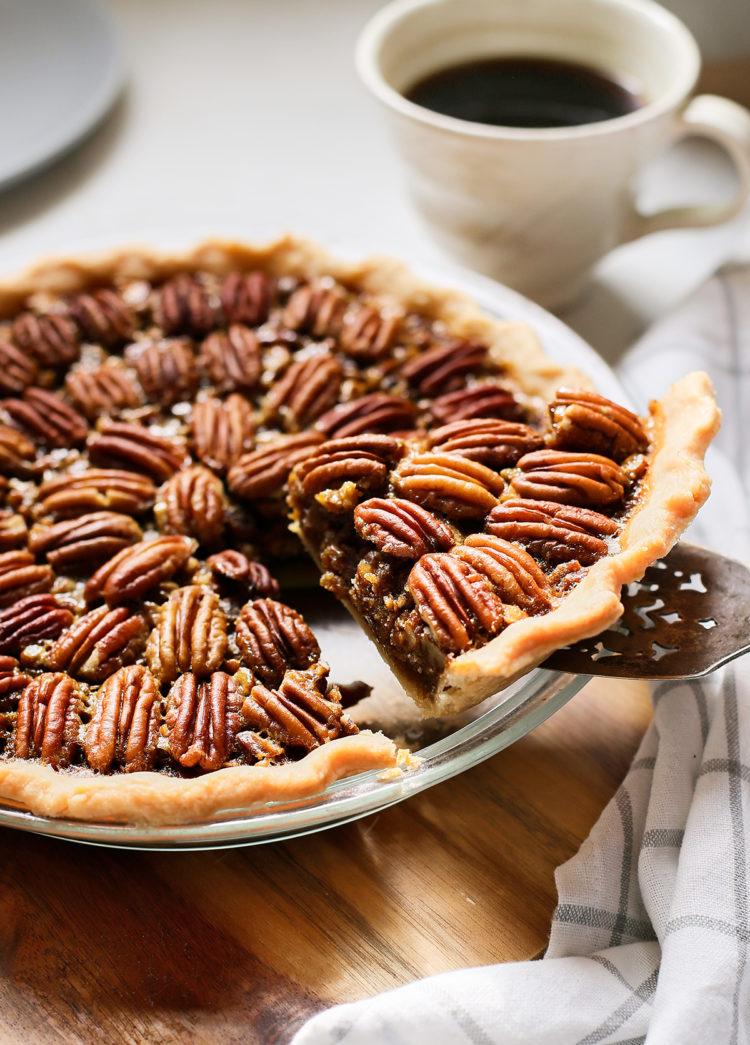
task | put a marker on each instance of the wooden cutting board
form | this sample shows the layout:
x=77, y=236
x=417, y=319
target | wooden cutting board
x=242, y=945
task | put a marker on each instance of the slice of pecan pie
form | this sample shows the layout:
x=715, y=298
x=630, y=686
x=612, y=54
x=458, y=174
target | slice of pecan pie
x=171, y=425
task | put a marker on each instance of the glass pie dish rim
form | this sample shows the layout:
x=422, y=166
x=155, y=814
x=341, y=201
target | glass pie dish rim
x=520, y=708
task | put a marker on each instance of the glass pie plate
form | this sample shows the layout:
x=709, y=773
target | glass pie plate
x=445, y=747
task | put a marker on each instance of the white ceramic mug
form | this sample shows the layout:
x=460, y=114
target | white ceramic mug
x=537, y=208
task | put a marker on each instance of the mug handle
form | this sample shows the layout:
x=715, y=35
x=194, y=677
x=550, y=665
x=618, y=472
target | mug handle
x=728, y=124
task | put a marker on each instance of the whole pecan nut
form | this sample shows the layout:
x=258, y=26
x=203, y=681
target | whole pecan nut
x=362, y=460
x=299, y=714
x=124, y=729
x=231, y=358
x=203, y=718
x=366, y=333
x=571, y=478
x=48, y=721
x=480, y=400
x=551, y=531
x=98, y=643
x=316, y=309
x=46, y=419
x=31, y=620
x=377, y=412
x=455, y=486
x=96, y=489
x=137, y=570
x=104, y=317
x=105, y=390
x=457, y=603
x=191, y=635
x=17, y=453
x=17, y=369
x=52, y=340
x=222, y=431
x=12, y=681
x=136, y=448
x=490, y=441
x=167, y=370
x=263, y=472
x=184, y=306
x=401, y=528
x=20, y=576
x=13, y=531
x=84, y=541
x=444, y=367
x=515, y=576
x=234, y=570
x=247, y=297
x=584, y=420
x=273, y=637
x=308, y=388
x=192, y=503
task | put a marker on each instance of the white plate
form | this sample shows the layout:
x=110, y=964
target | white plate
x=60, y=72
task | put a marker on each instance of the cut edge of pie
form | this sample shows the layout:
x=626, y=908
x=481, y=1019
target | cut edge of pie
x=682, y=425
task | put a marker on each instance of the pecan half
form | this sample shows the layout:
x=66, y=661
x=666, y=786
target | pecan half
x=273, y=637
x=372, y=413
x=17, y=368
x=12, y=681
x=96, y=489
x=46, y=419
x=124, y=729
x=31, y=620
x=247, y=297
x=17, y=453
x=444, y=367
x=553, y=532
x=191, y=635
x=264, y=472
x=13, y=532
x=203, y=717
x=400, y=528
x=484, y=400
x=135, y=447
x=260, y=750
x=192, y=503
x=103, y=317
x=361, y=459
x=184, y=307
x=49, y=720
x=52, y=340
x=222, y=431
x=457, y=603
x=490, y=441
x=231, y=358
x=515, y=576
x=316, y=309
x=167, y=370
x=584, y=420
x=84, y=541
x=307, y=389
x=21, y=576
x=233, y=569
x=137, y=570
x=455, y=486
x=106, y=390
x=366, y=334
x=298, y=714
x=98, y=643
x=571, y=478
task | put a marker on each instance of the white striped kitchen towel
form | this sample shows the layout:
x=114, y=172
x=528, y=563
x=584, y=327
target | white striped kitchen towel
x=649, y=940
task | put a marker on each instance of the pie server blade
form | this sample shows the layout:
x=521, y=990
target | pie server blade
x=688, y=615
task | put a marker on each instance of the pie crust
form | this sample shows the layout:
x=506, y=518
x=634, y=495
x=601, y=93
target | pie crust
x=680, y=428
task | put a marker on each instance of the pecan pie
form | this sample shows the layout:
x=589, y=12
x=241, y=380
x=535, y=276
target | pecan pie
x=172, y=426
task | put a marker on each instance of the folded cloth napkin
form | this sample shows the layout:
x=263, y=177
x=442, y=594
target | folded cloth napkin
x=649, y=940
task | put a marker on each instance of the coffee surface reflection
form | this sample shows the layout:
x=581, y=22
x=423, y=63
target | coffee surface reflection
x=524, y=92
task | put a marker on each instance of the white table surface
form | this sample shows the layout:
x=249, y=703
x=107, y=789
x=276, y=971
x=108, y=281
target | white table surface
x=246, y=118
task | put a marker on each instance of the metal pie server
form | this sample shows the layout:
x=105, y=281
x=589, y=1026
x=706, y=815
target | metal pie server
x=688, y=615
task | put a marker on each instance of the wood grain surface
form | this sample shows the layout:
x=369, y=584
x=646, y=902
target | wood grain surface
x=242, y=945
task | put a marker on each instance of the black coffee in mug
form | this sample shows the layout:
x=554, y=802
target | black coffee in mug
x=524, y=92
